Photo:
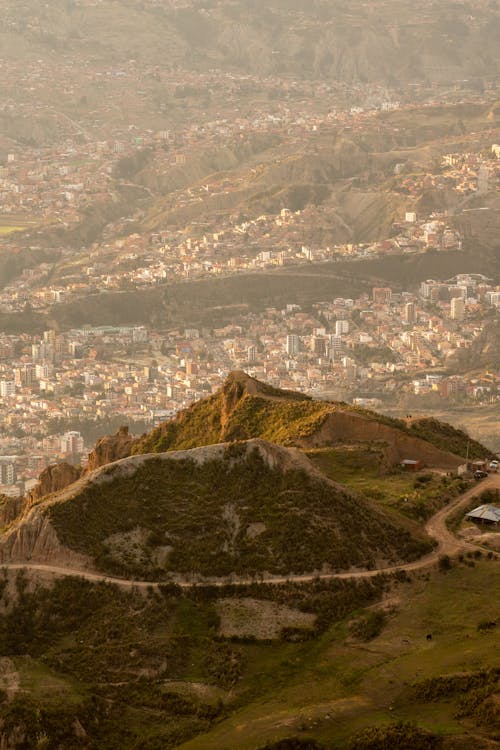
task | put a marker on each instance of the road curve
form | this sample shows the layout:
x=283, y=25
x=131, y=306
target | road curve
x=436, y=528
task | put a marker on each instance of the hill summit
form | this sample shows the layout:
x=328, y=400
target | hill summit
x=246, y=408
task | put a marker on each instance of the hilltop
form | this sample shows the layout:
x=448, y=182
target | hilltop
x=240, y=508
x=245, y=408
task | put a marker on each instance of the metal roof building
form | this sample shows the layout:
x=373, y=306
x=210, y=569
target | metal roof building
x=485, y=513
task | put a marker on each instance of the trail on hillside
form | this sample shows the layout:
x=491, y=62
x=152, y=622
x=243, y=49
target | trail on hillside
x=436, y=528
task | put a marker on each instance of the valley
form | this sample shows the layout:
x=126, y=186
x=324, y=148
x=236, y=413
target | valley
x=249, y=375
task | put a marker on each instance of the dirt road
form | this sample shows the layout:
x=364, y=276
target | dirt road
x=447, y=544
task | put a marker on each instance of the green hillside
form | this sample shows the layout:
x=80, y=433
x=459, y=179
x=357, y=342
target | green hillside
x=447, y=437
x=245, y=408
x=88, y=666
x=245, y=508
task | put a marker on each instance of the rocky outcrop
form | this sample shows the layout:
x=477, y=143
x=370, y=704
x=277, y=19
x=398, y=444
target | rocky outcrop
x=58, y=476
x=33, y=539
x=52, y=479
x=111, y=448
x=10, y=509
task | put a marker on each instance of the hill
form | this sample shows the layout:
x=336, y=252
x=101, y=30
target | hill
x=85, y=665
x=239, y=508
x=379, y=42
x=245, y=408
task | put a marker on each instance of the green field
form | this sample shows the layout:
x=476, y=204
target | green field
x=153, y=671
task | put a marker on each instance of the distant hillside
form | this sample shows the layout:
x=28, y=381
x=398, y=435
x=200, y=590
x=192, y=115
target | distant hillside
x=485, y=349
x=244, y=408
x=242, y=508
x=382, y=42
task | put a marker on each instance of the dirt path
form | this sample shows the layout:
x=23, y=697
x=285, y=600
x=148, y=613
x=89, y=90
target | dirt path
x=448, y=544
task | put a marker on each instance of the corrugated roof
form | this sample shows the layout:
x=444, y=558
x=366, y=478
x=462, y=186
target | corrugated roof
x=486, y=513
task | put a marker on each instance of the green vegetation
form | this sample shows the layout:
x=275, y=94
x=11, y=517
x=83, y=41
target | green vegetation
x=362, y=468
x=246, y=408
x=103, y=668
x=108, y=656
x=230, y=515
x=399, y=736
x=281, y=422
x=238, y=413
x=369, y=626
x=338, y=693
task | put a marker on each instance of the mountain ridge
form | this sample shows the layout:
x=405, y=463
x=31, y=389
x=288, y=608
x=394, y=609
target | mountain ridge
x=245, y=408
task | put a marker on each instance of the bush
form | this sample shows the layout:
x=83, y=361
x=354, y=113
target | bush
x=369, y=626
x=400, y=736
x=293, y=743
x=444, y=563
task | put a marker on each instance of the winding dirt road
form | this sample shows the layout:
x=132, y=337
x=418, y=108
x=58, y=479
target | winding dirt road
x=447, y=544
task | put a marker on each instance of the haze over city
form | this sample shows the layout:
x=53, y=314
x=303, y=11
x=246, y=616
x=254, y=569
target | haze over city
x=249, y=374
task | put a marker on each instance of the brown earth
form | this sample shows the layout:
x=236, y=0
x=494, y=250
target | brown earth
x=53, y=479
x=343, y=427
x=111, y=448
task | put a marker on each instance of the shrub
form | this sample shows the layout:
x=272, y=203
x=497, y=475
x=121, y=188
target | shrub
x=399, y=736
x=444, y=563
x=369, y=626
x=293, y=743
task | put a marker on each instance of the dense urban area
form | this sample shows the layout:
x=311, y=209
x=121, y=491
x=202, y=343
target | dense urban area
x=60, y=388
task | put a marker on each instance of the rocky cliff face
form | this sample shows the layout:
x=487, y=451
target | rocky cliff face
x=10, y=509
x=34, y=540
x=53, y=479
x=111, y=448
x=58, y=476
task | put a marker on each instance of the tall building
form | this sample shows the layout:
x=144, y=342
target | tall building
x=7, y=388
x=292, y=344
x=24, y=376
x=350, y=368
x=318, y=345
x=252, y=353
x=335, y=348
x=410, y=313
x=457, y=308
x=8, y=474
x=341, y=327
x=72, y=442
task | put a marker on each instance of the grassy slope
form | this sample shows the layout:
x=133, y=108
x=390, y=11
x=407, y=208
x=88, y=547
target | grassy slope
x=335, y=687
x=138, y=671
x=416, y=496
x=150, y=671
x=449, y=438
x=282, y=417
x=203, y=514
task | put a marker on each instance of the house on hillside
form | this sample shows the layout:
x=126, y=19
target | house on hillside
x=410, y=464
x=489, y=514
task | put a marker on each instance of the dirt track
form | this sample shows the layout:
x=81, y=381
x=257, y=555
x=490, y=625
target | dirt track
x=448, y=544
